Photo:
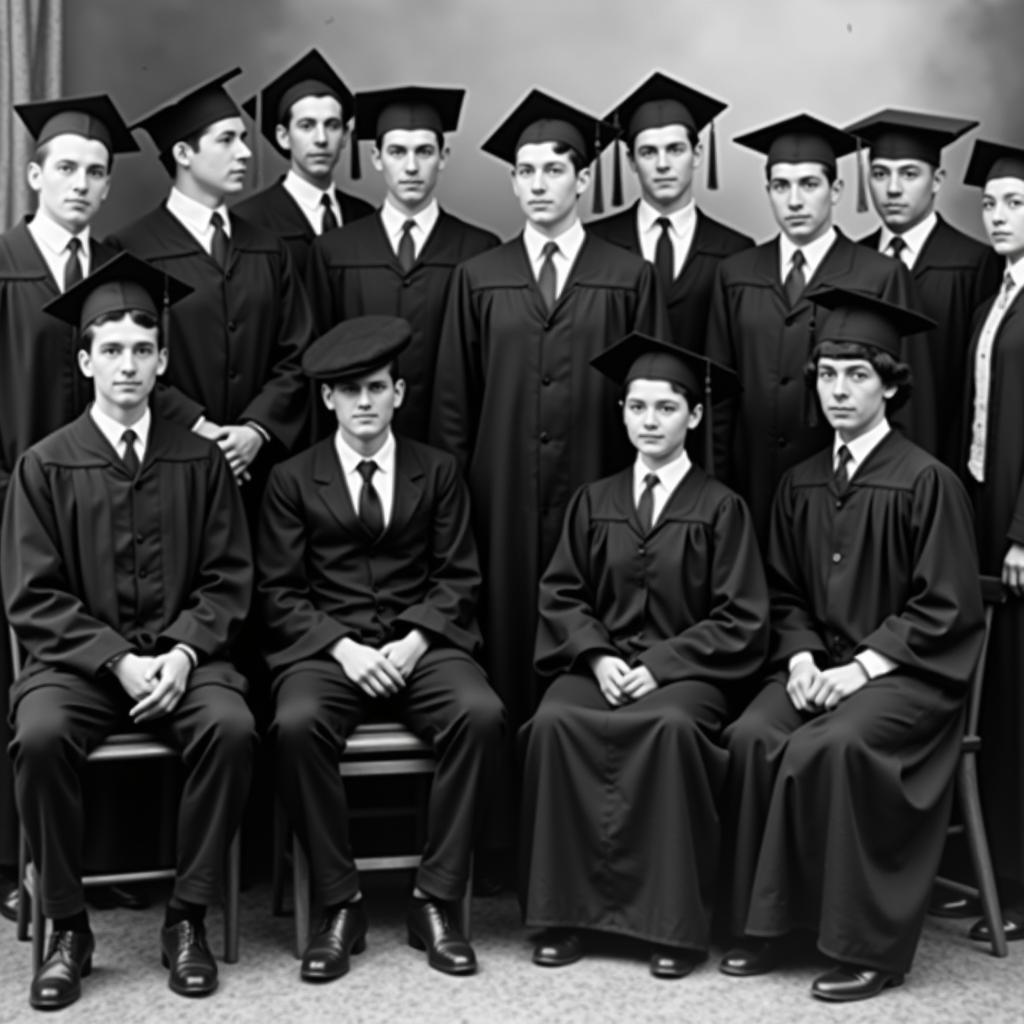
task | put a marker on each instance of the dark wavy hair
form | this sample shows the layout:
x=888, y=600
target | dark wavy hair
x=894, y=374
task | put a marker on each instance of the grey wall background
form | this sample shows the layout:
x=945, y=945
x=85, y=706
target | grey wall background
x=839, y=59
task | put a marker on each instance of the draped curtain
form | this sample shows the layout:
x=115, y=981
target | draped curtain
x=30, y=69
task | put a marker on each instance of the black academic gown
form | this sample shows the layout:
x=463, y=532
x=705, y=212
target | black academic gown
x=839, y=818
x=529, y=420
x=41, y=389
x=355, y=272
x=276, y=211
x=776, y=422
x=620, y=825
x=236, y=342
x=999, y=517
x=953, y=275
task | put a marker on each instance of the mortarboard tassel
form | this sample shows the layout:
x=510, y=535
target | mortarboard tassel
x=862, y=192
x=617, y=163
x=712, y=159
x=165, y=317
x=598, y=206
x=355, y=170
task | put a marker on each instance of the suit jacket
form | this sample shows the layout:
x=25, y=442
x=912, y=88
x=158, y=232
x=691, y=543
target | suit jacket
x=322, y=577
x=276, y=211
x=689, y=298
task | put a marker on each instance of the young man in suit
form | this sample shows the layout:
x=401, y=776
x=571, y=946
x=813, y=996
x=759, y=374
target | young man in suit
x=661, y=121
x=368, y=580
x=40, y=386
x=400, y=262
x=304, y=114
x=841, y=768
x=953, y=273
x=238, y=338
x=126, y=572
x=515, y=400
x=762, y=321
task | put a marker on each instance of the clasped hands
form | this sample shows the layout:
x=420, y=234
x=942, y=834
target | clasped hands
x=813, y=689
x=156, y=684
x=240, y=444
x=380, y=672
x=619, y=683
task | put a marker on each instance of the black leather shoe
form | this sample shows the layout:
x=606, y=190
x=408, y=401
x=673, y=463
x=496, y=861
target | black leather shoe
x=184, y=950
x=752, y=956
x=1013, y=928
x=846, y=983
x=432, y=927
x=670, y=962
x=110, y=897
x=327, y=954
x=58, y=982
x=944, y=904
x=558, y=947
x=10, y=893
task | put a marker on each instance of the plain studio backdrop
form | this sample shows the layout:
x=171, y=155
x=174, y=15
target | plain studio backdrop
x=837, y=59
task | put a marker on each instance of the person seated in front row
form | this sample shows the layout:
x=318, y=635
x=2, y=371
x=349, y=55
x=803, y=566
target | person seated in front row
x=368, y=580
x=126, y=574
x=653, y=614
x=841, y=768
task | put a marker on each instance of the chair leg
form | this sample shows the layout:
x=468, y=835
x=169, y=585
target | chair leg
x=232, y=886
x=38, y=922
x=301, y=895
x=23, y=898
x=466, y=904
x=977, y=842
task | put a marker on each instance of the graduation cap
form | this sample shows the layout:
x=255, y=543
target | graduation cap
x=188, y=113
x=993, y=160
x=408, y=108
x=661, y=101
x=641, y=357
x=310, y=75
x=543, y=118
x=122, y=284
x=908, y=135
x=356, y=347
x=92, y=117
x=856, y=317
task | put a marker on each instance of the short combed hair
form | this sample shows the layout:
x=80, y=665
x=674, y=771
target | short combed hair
x=191, y=140
x=679, y=389
x=831, y=173
x=576, y=158
x=138, y=317
x=437, y=135
x=42, y=151
x=894, y=374
x=693, y=136
x=391, y=366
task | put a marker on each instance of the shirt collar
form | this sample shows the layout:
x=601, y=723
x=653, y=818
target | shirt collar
x=569, y=242
x=682, y=221
x=308, y=196
x=394, y=219
x=861, y=447
x=48, y=233
x=669, y=476
x=814, y=252
x=914, y=237
x=193, y=214
x=350, y=458
x=114, y=431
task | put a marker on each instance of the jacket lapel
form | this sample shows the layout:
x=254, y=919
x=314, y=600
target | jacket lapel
x=334, y=493
x=408, y=488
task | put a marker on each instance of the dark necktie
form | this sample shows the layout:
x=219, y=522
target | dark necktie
x=73, y=264
x=219, y=241
x=547, y=280
x=645, y=506
x=1005, y=291
x=896, y=247
x=664, y=259
x=131, y=456
x=795, y=280
x=841, y=477
x=371, y=512
x=328, y=221
x=406, y=249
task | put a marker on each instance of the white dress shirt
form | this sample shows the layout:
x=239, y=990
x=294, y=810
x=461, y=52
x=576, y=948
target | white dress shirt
x=670, y=476
x=114, y=431
x=913, y=239
x=383, y=479
x=682, y=226
x=814, y=252
x=52, y=241
x=569, y=243
x=309, y=199
x=1013, y=278
x=195, y=218
x=394, y=220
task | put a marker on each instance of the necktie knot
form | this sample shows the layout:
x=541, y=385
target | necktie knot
x=131, y=456
x=842, y=473
x=1004, y=292
x=216, y=221
x=366, y=469
x=74, y=245
x=327, y=221
x=896, y=246
x=550, y=250
x=799, y=259
x=651, y=481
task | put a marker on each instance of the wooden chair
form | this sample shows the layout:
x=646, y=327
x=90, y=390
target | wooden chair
x=973, y=824
x=374, y=749
x=126, y=747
